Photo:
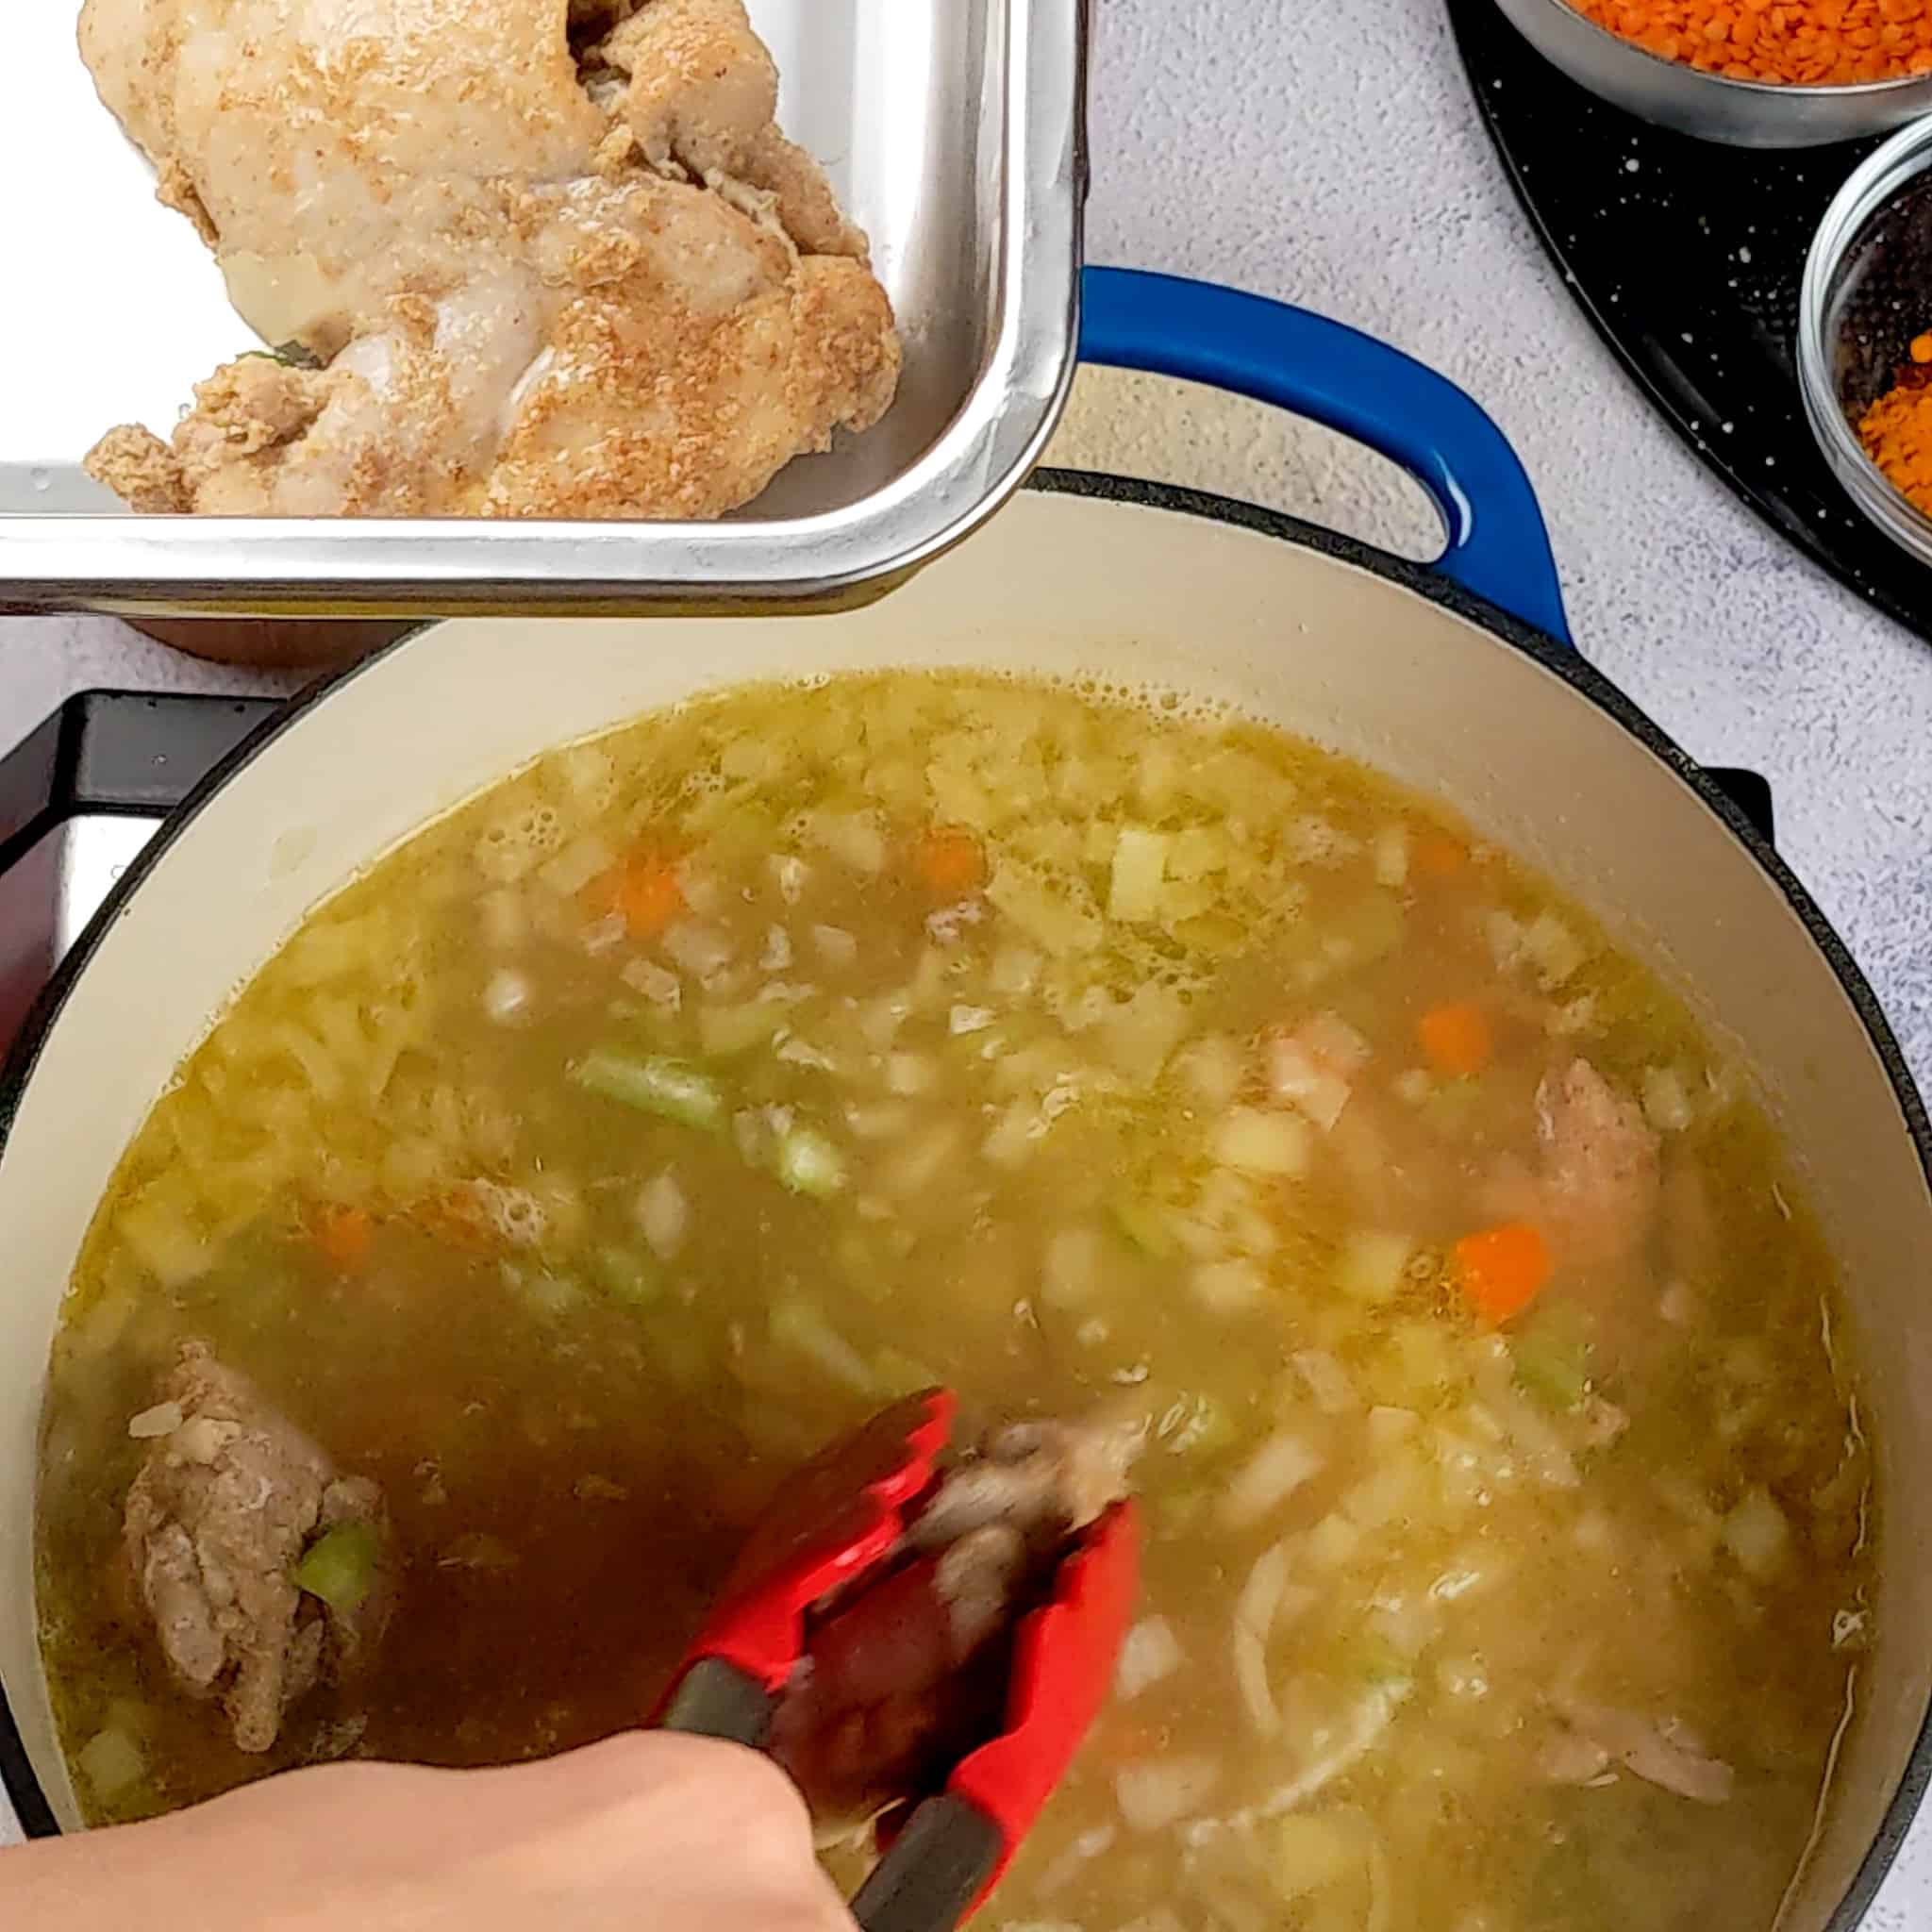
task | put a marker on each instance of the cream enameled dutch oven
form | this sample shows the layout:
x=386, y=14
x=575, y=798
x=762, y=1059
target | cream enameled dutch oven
x=1454, y=678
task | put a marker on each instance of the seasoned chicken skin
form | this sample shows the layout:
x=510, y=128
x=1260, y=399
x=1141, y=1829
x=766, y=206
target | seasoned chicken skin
x=550, y=258
x=230, y=1496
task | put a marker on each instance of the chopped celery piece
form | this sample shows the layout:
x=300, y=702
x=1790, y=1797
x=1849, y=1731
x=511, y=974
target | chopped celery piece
x=1144, y=1225
x=339, y=1566
x=1379, y=1664
x=1553, y=1359
x=797, y=1324
x=626, y=1276
x=672, y=1089
x=808, y=1163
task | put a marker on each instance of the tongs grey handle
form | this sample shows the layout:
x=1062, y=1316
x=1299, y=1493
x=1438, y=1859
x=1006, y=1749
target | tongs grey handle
x=718, y=1700
x=937, y=1866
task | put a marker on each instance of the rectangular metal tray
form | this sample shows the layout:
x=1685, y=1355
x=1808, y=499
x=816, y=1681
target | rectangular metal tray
x=954, y=130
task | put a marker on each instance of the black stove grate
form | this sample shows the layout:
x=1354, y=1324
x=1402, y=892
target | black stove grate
x=1687, y=256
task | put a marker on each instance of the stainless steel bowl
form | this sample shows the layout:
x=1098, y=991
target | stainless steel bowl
x=954, y=131
x=1867, y=293
x=1745, y=113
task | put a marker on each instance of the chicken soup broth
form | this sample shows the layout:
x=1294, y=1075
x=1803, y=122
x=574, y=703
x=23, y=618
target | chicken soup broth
x=573, y=1175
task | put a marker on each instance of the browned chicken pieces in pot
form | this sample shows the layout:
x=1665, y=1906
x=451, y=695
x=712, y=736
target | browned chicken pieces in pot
x=259, y=1564
x=913, y=1673
x=520, y=258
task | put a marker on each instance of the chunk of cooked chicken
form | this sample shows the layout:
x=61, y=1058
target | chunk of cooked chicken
x=1586, y=1740
x=230, y=1497
x=553, y=258
x=913, y=1672
x=1598, y=1183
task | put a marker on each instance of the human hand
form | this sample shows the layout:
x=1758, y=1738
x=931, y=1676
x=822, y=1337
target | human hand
x=647, y=1832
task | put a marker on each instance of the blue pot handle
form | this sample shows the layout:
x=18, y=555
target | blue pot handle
x=1498, y=547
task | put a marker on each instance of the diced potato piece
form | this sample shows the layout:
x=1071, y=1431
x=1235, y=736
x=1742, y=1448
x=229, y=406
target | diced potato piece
x=1269, y=1477
x=1391, y=1492
x=163, y=1239
x=1160, y=1793
x=1228, y=1288
x=1143, y=1034
x=663, y=1214
x=1372, y=1264
x=112, y=1762
x=1140, y=866
x=573, y=868
x=1326, y=1381
x=1150, y=1652
x=1212, y=1069
x=1335, y=1044
x=1428, y=1363
x=1332, y=1542
x=1070, y=1276
x=1389, y=1426
x=1556, y=951
x=854, y=838
x=797, y=1324
x=1313, y=1853
x=1391, y=855
x=1256, y=1141
x=1666, y=1100
x=1058, y=922
x=1197, y=852
x=723, y=1031
x=1295, y=1075
x=1758, y=1534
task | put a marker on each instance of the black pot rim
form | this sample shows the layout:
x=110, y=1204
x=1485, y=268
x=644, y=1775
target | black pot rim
x=17, y=1777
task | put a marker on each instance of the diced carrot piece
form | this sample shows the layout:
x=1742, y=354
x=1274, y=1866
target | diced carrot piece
x=345, y=1236
x=1438, y=856
x=950, y=861
x=645, y=890
x=1457, y=1038
x=1502, y=1269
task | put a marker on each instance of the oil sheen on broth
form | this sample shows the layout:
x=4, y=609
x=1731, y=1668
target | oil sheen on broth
x=664, y=1110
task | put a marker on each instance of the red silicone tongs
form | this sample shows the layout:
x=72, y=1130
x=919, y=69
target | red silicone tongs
x=833, y=1525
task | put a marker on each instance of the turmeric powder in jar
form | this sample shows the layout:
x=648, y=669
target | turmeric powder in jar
x=1896, y=430
x=1785, y=43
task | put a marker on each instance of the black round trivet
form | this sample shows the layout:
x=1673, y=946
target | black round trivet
x=1687, y=256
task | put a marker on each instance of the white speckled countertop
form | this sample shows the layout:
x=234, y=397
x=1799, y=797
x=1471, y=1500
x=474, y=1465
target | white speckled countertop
x=1346, y=170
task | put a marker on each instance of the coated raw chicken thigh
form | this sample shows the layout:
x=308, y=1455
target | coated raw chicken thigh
x=523, y=258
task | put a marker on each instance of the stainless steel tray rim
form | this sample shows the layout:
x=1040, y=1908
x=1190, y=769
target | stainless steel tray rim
x=403, y=567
